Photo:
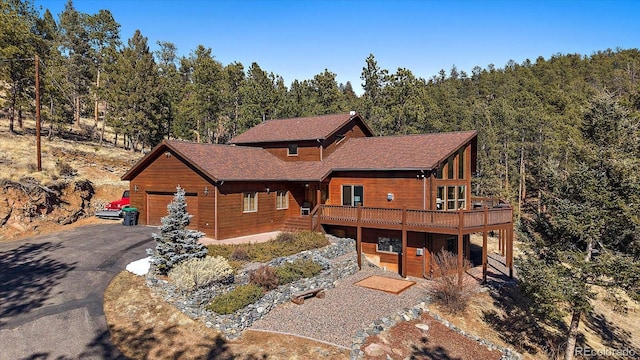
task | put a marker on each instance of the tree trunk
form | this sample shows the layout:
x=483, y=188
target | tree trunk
x=76, y=110
x=573, y=335
x=95, y=107
x=20, y=118
x=12, y=113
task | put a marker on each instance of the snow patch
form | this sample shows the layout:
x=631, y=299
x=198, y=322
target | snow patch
x=139, y=267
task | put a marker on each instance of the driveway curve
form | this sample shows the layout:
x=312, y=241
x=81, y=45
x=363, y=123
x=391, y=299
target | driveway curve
x=52, y=288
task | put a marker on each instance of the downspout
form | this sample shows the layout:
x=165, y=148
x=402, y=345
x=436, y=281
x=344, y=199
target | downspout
x=215, y=208
x=424, y=191
x=215, y=213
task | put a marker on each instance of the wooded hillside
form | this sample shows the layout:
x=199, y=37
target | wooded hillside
x=528, y=113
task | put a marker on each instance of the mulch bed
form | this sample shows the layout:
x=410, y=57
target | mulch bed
x=432, y=340
x=393, y=286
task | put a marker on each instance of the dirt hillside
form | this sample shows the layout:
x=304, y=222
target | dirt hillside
x=78, y=176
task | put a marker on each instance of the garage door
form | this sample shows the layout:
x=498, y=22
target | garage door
x=157, y=208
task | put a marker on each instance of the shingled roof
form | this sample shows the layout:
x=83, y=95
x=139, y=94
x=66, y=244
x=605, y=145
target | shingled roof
x=409, y=152
x=296, y=129
x=244, y=163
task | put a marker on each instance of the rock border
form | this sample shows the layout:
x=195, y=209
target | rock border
x=193, y=303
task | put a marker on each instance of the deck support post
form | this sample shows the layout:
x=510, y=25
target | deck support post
x=510, y=253
x=403, y=272
x=484, y=245
x=460, y=247
x=359, y=237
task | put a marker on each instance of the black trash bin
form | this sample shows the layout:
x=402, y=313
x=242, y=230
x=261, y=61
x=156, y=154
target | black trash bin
x=130, y=217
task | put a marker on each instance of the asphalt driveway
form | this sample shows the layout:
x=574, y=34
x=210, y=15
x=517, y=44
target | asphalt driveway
x=52, y=287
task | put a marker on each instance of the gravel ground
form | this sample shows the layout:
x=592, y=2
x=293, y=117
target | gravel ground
x=345, y=309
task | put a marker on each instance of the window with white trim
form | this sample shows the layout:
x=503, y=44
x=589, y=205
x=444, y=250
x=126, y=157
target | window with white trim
x=282, y=199
x=250, y=202
x=451, y=197
x=292, y=150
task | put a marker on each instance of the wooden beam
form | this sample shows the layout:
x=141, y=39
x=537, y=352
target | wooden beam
x=510, y=252
x=484, y=246
x=359, y=238
x=460, y=247
x=403, y=271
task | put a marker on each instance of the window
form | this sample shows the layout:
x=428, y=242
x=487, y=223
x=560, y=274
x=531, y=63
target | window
x=339, y=138
x=461, y=165
x=452, y=244
x=250, y=202
x=292, y=150
x=462, y=192
x=439, y=172
x=393, y=245
x=282, y=199
x=451, y=197
x=352, y=195
x=450, y=164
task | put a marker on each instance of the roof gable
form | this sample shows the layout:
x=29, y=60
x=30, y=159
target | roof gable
x=297, y=129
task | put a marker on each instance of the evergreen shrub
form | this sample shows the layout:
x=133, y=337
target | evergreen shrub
x=296, y=270
x=236, y=299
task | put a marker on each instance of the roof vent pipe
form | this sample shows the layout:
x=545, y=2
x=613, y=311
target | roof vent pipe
x=352, y=113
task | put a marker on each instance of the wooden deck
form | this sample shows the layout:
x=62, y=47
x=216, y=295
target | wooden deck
x=460, y=223
x=442, y=222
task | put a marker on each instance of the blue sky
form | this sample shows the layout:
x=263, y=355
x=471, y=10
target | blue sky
x=298, y=39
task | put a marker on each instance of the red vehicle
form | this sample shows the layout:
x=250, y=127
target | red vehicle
x=114, y=208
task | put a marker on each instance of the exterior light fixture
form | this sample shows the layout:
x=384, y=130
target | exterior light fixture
x=267, y=190
x=206, y=191
x=135, y=188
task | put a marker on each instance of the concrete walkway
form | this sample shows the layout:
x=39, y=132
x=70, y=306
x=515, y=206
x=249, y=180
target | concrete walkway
x=248, y=239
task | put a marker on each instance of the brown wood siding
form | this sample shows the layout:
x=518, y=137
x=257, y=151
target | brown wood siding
x=351, y=130
x=407, y=190
x=233, y=222
x=307, y=150
x=157, y=208
x=163, y=175
x=416, y=241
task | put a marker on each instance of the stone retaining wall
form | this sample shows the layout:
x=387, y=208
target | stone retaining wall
x=193, y=303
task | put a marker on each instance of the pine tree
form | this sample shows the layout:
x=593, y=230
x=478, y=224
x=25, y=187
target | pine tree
x=175, y=243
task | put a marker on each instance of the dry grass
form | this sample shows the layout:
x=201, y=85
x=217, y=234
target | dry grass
x=102, y=165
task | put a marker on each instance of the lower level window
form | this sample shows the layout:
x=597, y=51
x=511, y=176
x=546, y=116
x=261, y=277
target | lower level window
x=250, y=202
x=389, y=245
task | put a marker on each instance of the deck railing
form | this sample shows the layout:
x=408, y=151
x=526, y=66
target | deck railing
x=470, y=219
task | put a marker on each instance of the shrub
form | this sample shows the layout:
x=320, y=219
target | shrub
x=236, y=299
x=264, y=277
x=296, y=270
x=266, y=251
x=447, y=291
x=196, y=273
x=286, y=237
x=64, y=169
x=239, y=254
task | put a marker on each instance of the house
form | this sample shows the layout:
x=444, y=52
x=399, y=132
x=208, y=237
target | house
x=403, y=198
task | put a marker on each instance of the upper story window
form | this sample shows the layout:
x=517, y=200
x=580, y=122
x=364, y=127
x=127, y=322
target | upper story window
x=450, y=164
x=250, y=202
x=352, y=195
x=292, y=150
